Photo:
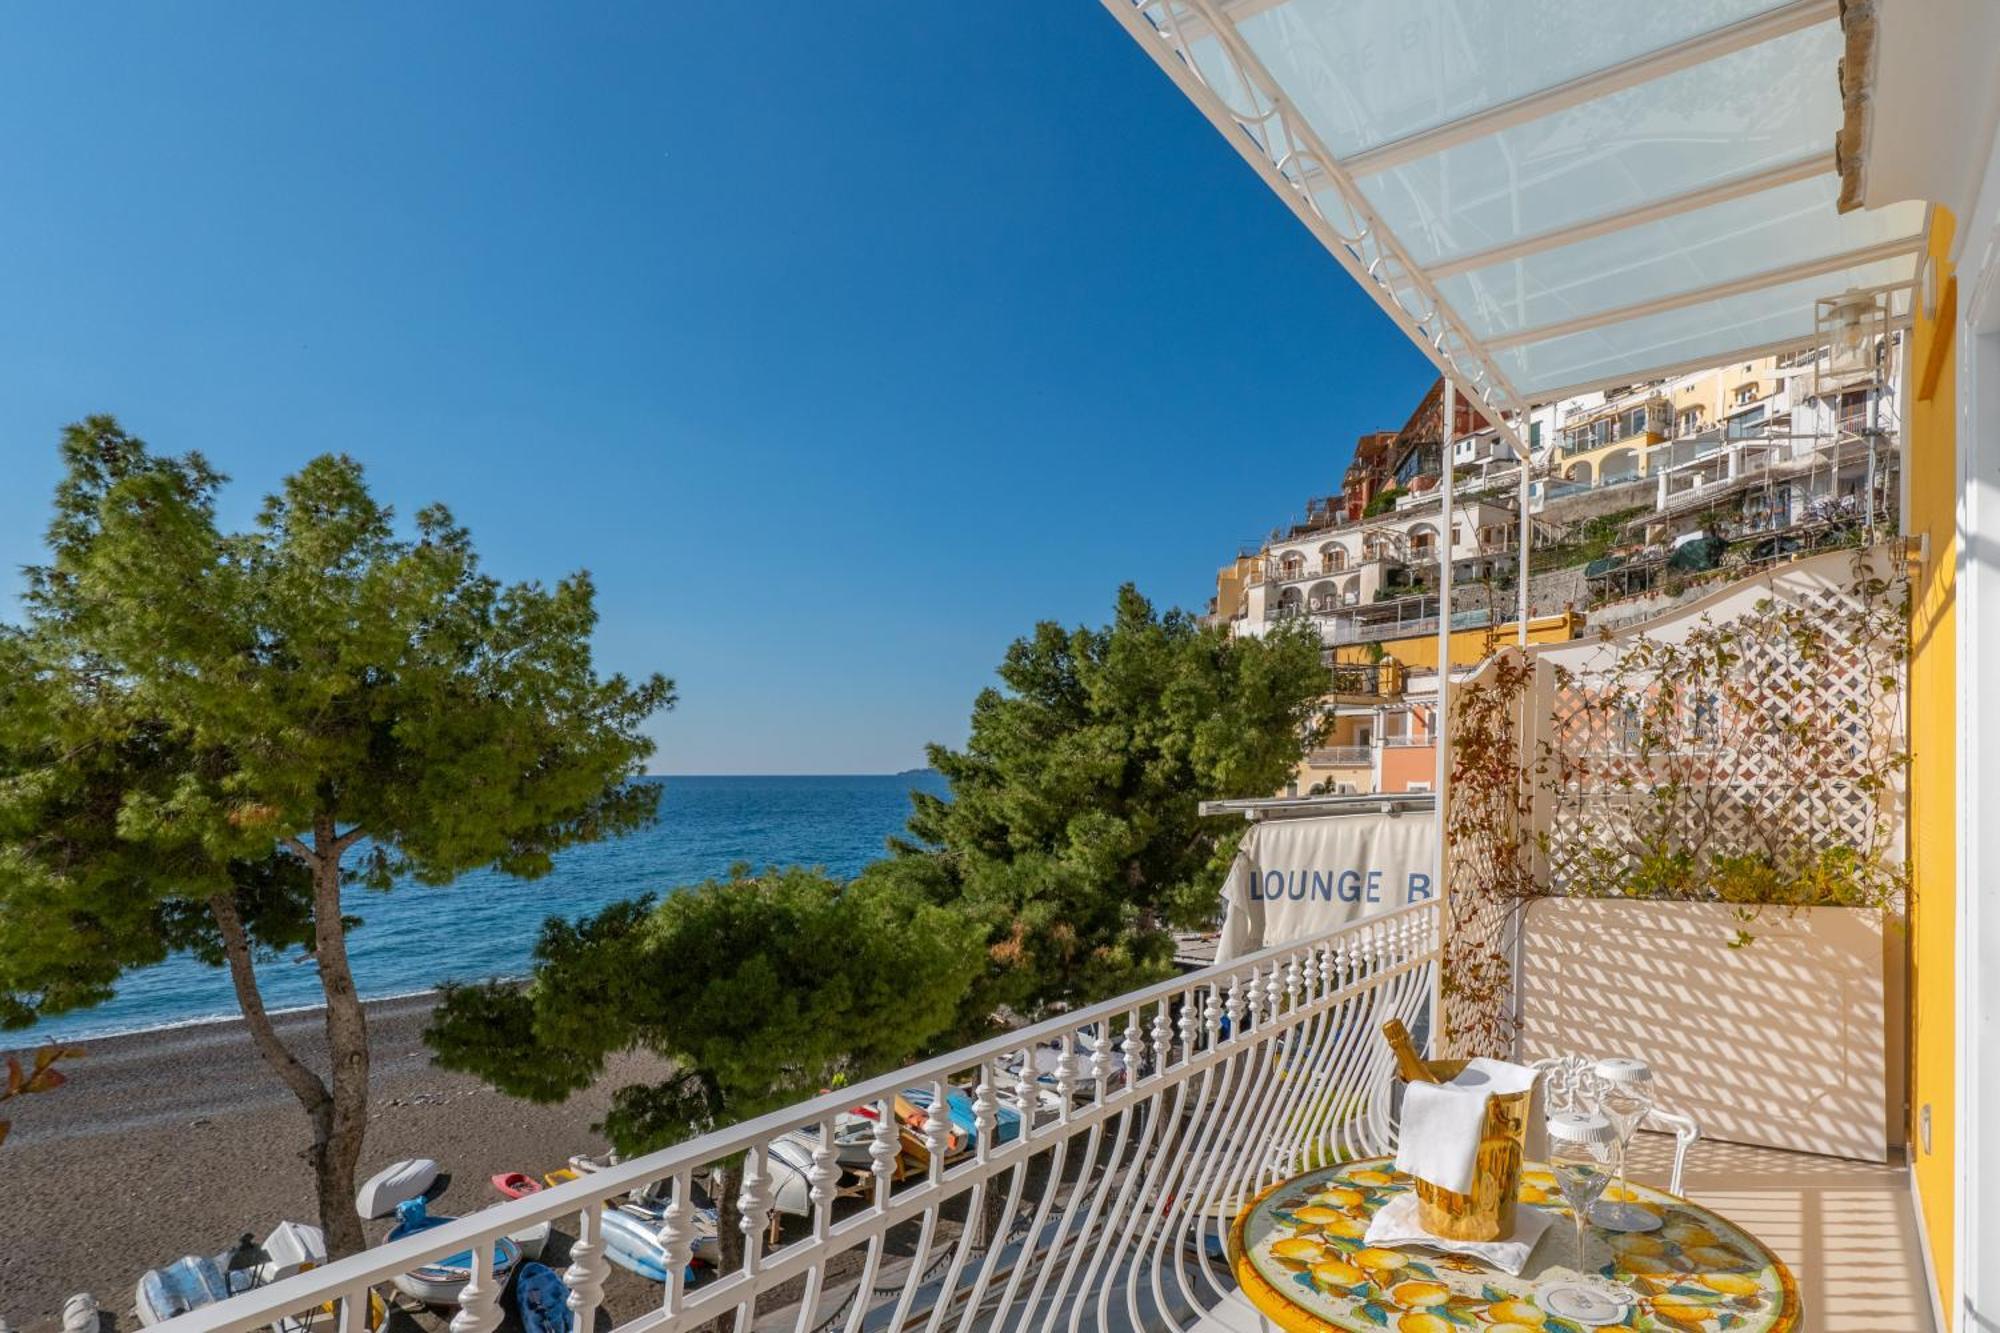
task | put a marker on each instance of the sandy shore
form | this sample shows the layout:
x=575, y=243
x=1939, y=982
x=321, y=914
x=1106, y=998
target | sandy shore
x=175, y=1142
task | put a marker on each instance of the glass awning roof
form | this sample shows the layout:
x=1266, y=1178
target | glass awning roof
x=1554, y=196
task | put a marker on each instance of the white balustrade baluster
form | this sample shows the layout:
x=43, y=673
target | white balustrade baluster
x=937, y=1128
x=985, y=1113
x=677, y=1237
x=885, y=1145
x=589, y=1266
x=1100, y=1064
x=1065, y=1075
x=354, y=1310
x=754, y=1203
x=822, y=1175
x=1163, y=1039
x=479, y=1298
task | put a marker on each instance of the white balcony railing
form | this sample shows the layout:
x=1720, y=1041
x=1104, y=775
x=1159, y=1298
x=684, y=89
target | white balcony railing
x=1106, y=1155
x=1341, y=756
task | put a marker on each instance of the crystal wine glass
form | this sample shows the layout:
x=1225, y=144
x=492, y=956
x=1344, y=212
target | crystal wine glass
x=1579, y=1168
x=1625, y=1097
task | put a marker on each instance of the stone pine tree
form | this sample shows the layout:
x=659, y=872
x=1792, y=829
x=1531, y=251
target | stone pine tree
x=1072, y=830
x=206, y=735
x=757, y=990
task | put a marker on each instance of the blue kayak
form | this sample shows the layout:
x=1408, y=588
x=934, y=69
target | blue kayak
x=543, y=1300
x=958, y=1109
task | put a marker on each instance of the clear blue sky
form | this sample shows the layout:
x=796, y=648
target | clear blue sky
x=839, y=344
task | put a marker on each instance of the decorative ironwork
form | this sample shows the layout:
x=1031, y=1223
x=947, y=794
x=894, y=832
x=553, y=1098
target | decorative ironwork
x=1097, y=1191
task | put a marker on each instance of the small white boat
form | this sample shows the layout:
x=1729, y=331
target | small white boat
x=194, y=1280
x=188, y=1283
x=789, y=1164
x=80, y=1314
x=532, y=1240
x=441, y=1281
x=289, y=1250
x=381, y=1192
x=632, y=1238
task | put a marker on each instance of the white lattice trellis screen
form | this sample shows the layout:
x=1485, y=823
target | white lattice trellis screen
x=1751, y=739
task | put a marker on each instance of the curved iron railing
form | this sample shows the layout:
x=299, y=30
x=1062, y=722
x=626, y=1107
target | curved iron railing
x=1107, y=1150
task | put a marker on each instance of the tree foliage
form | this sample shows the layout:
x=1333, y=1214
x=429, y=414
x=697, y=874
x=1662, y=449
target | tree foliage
x=197, y=728
x=1072, y=833
x=758, y=989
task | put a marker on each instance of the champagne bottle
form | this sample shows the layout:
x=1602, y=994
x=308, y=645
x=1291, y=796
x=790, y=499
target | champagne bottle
x=1411, y=1064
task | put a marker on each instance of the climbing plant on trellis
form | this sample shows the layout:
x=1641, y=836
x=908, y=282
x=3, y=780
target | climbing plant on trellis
x=1754, y=757
x=1754, y=760
x=1490, y=866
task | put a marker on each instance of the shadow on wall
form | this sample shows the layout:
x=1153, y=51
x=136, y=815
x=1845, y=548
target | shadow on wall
x=1783, y=1043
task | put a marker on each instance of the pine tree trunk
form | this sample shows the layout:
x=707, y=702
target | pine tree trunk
x=723, y=1182
x=338, y=1143
x=336, y=1214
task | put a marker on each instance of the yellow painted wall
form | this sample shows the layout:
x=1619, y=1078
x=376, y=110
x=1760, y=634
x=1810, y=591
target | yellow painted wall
x=1468, y=646
x=1232, y=586
x=1932, y=473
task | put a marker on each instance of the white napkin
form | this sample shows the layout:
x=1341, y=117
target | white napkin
x=1396, y=1224
x=1442, y=1122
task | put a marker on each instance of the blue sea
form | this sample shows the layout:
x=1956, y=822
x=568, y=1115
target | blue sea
x=485, y=924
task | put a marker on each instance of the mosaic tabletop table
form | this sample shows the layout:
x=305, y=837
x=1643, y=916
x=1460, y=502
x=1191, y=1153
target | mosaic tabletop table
x=1299, y=1256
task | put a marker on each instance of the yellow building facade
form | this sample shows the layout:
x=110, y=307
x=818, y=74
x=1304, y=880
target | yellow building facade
x=1933, y=781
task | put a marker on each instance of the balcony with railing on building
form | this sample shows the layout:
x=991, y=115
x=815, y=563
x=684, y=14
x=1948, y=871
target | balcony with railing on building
x=1365, y=682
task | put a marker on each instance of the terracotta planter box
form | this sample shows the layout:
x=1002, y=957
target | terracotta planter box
x=1784, y=1043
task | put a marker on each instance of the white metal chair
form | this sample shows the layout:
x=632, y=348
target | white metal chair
x=1567, y=1078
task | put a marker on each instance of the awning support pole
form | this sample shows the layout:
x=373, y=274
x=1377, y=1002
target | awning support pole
x=1441, y=722
x=1526, y=533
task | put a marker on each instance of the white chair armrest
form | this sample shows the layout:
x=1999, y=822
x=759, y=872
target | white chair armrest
x=1686, y=1131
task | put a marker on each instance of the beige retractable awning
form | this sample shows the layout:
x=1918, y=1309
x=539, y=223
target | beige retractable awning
x=1555, y=196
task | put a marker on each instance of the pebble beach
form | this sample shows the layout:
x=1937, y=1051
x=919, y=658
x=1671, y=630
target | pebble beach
x=179, y=1140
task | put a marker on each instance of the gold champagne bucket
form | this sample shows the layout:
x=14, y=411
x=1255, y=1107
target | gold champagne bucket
x=1487, y=1213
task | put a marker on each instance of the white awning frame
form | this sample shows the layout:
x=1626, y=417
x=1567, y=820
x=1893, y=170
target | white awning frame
x=1255, y=113
x=1282, y=148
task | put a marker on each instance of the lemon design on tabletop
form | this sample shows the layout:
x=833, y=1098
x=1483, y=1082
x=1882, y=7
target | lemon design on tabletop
x=1336, y=1273
x=1533, y=1193
x=1681, y=1310
x=1376, y=1179
x=1689, y=1234
x=1417, y=1293
x=1517, y=1314
x=1314, y=1215
x=1647, y=1265
x=1637, y=1242
x=1380, y=1259
x=1345, y=1227
x=1729, y=1284
x=1720, y=1257
x=1422, y=1321
x=1301, y=1248
x=1340, y=1198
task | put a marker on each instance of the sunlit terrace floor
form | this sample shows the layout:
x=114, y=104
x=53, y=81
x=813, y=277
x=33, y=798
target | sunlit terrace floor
x=1846, y=1228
